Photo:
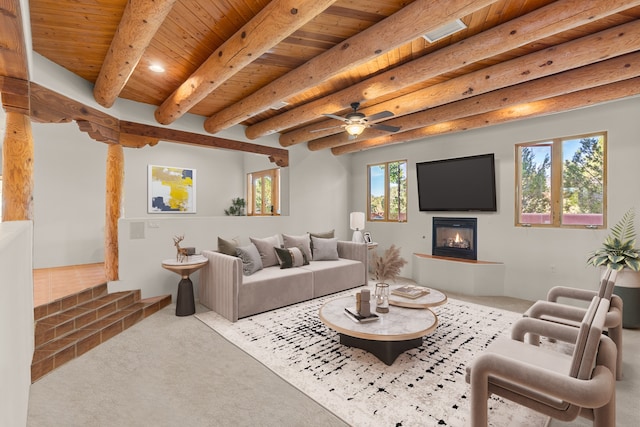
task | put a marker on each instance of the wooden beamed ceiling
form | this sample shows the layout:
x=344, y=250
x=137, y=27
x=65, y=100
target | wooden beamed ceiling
x=277, y=66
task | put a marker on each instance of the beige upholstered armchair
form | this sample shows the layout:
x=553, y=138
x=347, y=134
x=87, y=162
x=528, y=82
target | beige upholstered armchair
x=554, y=311
x=559, y=385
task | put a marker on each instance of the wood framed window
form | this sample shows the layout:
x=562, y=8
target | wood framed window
x=561, y=182
x=263, y=193
x=387, y=198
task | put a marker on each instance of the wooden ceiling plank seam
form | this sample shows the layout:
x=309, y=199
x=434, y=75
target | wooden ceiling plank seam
x=562, y=103
x=405, y=25
x=598, y=74
x=543, y=22
x=271, y=25
x=140, y=21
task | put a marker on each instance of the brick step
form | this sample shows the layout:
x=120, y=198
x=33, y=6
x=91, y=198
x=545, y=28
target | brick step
x=69, y=301
x=57, y=325
x=76, y=331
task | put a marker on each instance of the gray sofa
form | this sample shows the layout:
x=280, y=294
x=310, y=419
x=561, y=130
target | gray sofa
x=224, y=289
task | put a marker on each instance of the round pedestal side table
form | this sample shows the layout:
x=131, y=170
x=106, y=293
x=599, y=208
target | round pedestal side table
x=185, y=301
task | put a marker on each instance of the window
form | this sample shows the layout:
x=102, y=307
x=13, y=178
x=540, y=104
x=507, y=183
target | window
x=263, y=192
x=388, y=191
x=562, y=182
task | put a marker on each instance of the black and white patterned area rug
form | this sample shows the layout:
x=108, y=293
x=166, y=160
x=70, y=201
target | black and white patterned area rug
x=425, y=386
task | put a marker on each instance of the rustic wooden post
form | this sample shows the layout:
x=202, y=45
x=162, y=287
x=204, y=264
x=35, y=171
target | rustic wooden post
x=17, y=168
x=115, y=180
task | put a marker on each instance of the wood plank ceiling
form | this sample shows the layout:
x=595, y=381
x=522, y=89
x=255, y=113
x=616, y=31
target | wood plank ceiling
x=235, y=61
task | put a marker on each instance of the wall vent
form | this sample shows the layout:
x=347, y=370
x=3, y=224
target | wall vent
x=445, y=31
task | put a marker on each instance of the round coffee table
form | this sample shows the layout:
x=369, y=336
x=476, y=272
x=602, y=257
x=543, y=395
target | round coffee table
x=386, y=338
x=433, y=299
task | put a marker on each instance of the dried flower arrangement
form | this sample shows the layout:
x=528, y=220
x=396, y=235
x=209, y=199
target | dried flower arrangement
x=387, y=266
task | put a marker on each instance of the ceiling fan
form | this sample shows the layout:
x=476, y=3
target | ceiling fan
x=356, y=123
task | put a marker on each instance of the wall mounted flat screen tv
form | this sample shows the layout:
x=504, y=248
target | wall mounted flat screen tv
x=460, y=184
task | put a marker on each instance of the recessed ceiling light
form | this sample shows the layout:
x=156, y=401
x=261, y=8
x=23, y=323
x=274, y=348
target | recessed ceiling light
x=444, y=31
x=156, y=68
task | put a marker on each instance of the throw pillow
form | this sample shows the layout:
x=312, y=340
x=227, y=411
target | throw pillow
x=291, y=257
x=324, y=249
x=301, y=242
x=227, y=246
x=250, y=257
x=265, y=248
x=322, y=235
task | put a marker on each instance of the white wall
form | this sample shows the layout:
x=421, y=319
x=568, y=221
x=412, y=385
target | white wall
x=68, y=196
x=16, y=320
x=535, y=259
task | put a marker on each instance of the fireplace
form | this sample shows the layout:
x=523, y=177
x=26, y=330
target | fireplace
x=455, y=238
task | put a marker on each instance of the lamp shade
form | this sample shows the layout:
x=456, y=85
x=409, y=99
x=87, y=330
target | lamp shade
x=356, y=220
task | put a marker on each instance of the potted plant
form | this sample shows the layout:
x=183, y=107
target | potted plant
x=236, y=208
x=619, y=253
x=618, y=250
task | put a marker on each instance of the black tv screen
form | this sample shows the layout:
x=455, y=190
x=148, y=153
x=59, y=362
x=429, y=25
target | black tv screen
x=460, y=184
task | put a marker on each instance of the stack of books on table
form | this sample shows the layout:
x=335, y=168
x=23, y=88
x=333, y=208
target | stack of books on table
x=353, y=314
x=410, y=291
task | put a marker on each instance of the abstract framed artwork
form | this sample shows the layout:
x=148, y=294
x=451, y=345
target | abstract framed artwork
x=171, y=189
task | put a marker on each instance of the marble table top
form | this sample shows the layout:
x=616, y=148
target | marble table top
x=398, y=324
x=433, y=299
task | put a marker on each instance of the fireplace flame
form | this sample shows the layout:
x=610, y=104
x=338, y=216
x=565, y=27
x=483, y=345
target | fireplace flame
x=458, y=239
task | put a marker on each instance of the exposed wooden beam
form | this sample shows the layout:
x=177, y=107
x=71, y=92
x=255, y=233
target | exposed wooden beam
x=140, y=21
x=598, y=74
x=98, y=133
x=278, y=155
x=275, y=22
x=48, y=106
x=407, y=24
x=544, y=22
x=113, y=208
x=15, y=94
x=136, y=141
x=558, y=104
x=586, y=50
x=17, y=168
x=13, y=50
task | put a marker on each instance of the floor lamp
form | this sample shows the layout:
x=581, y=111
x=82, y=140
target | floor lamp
x=356, y=222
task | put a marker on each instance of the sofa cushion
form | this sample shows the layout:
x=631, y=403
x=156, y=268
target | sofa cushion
x=250, y=257
x=301, y=242
x=324, y=249
x=272, y=288
x=334, y=276
x=227, y=247
x=322, y=235
x=291, y=257
x=265, y=248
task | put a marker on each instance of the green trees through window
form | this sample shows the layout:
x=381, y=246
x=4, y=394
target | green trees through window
x=562, y=182
x=388, y=191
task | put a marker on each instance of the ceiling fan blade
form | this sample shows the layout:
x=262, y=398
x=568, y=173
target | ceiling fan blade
x=333, y=116
x=380, y=115
x=323, y=129
x=385, y=127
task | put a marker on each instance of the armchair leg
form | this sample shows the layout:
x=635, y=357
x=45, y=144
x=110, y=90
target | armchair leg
x=479, y=395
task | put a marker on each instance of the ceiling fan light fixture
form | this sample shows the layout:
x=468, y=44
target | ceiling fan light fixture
x=354, y=129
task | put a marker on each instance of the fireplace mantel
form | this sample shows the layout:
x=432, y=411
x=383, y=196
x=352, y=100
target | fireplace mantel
x=470, y=277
